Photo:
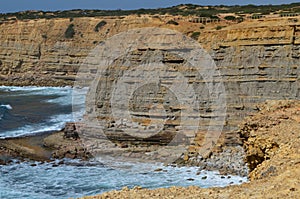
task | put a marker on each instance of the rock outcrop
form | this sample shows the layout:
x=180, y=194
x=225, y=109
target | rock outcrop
x=272, y=139
x=272, y=142
x=43, y=147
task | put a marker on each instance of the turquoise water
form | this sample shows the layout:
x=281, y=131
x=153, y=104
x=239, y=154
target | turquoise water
x=28, y=110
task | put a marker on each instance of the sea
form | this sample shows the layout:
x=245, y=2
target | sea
x=32, y=110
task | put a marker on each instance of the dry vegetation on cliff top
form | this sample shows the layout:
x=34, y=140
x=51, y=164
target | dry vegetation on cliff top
x=272, y=143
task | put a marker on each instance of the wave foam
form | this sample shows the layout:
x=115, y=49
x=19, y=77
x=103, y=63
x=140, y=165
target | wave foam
x=32, y=90
x=55, y=123
x=6, y=106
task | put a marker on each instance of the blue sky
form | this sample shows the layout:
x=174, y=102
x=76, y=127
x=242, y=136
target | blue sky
x=20, y=5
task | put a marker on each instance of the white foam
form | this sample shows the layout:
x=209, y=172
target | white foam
x=63, y=100
x=70, y=97
x=55, y=123
x=32, y=90
x=92, y=180
x=7, y=106
x=212, y=178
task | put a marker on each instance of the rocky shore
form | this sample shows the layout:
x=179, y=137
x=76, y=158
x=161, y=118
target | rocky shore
x=272, y=143
x=68, y=144
x=42, y=147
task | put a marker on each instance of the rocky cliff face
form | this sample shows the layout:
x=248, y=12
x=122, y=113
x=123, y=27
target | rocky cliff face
x=258, y=60
x=37, y=52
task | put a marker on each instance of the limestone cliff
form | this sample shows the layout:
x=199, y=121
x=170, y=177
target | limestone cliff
x=258, y=59
x=36, y=52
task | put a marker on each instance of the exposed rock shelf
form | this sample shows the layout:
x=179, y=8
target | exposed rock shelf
x=42, y=147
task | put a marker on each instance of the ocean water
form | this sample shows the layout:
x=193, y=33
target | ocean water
x=29, y=110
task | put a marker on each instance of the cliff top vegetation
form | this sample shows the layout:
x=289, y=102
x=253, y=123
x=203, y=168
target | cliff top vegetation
x=182, y=9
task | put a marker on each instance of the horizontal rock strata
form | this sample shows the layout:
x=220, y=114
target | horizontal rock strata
x=257, y=61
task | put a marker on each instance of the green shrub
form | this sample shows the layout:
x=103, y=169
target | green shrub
x=195, y=35
x=230, y=18
x=70, y=32
x=173, y=22
x=219, y=27
x=99, y=26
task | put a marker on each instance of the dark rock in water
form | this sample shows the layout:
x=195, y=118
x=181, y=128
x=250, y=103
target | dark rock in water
x=158, y=170
x=70, y=156
x=2, y=162
x=190, y=179
x=61, y=162
x=204, y=178
x=70, y=131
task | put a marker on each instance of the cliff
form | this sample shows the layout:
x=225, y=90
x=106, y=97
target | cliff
x=37, y=52
x=258, y=59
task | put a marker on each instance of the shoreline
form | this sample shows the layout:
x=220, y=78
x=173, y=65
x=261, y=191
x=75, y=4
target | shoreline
x=263, y=164
x=275, y=172
x=43, y=146
x=67, y=143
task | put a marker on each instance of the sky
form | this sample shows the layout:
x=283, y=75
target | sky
x=52, y=5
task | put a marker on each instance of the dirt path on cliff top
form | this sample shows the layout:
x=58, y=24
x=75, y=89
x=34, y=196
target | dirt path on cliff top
x=272, y=142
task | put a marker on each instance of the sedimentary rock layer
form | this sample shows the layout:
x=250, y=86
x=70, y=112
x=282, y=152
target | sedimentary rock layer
x=257, y=60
